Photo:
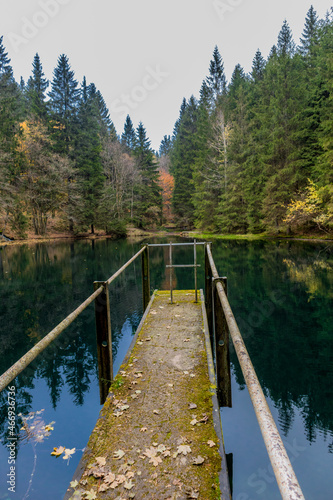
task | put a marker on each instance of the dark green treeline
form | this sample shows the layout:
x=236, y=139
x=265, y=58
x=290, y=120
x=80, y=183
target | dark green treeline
x=60, y=157
x=256, y=155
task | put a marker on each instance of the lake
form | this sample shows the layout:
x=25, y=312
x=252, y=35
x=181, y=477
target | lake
x=281, y=294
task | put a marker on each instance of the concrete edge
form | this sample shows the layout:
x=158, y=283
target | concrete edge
x=223, y=476
x=82, y=464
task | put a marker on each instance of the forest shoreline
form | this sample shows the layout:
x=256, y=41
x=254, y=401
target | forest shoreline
x=135, y=233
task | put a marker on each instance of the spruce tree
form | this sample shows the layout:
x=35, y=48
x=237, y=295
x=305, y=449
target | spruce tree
x=10, y=156
x=35, y=91
x=64, y=99
x=258, y=66
x=148, y=206
x=216, y=80
x=165, y=146
x=88, y=159
x=128, y=136
x=309, y=37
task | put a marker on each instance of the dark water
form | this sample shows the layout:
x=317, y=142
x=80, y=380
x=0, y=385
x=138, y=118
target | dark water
x=281, y=294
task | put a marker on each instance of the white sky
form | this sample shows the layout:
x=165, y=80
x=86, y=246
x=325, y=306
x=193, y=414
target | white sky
x=146, y=55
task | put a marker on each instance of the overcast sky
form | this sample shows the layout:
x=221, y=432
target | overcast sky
x=146, y=55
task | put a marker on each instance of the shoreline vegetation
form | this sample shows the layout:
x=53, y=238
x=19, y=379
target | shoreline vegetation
x=135, y=233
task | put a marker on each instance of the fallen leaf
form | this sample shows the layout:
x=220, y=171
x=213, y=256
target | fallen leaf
x=192, y=406
x=103, y=487
x=170, y=385
x=109, y=478
x=139, y=342
x=118, y=413
x=143, y=429
x=118, y=454
x=161, y=448
x=128, y=485
x=138, y=392
x=49, y=427
x=147, y=339
x=130, y=474
x=184, y=449
x=134, y=396
x=204, y=418
x=90, y=495
x=186, y=372
x=157, y=412
x=166, y=453
x=121, y=478
x=161, y=307
x=152, y=454
x=153, y=312
x=186, y=340
x=194, y=421
x=74, y=484
x=58, y=451
x=192, y=375
x=101, y=460
x=198, y=460
x=124, y=407
x=211, y=443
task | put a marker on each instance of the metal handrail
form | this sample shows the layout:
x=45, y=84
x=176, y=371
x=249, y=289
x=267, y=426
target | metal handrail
x=28, y=357
x=283, y=470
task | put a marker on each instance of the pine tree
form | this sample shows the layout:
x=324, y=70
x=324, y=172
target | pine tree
x=128, y=136
x=35, y=91
x=64, y=99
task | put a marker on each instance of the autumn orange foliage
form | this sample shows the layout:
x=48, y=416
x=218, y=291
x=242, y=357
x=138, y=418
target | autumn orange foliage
x=167, y=183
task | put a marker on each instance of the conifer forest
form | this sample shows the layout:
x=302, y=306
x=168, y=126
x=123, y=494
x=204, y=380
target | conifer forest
x=253, y=155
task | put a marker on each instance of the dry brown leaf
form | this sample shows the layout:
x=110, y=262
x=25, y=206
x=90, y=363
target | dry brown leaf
x=128, y=485
x=198, y=460
x=211, y=443
x=118, y=454
x=152, y=454
x=109, y=478
x=101, y=460
x=184, y=449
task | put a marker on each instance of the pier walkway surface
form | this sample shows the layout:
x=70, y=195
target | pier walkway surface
x=159, y=434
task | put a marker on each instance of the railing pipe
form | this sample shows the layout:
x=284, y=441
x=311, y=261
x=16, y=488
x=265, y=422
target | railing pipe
x=284, y=473
x=28, y=357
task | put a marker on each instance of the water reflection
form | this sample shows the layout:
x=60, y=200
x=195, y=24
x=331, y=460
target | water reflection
x=281, y=294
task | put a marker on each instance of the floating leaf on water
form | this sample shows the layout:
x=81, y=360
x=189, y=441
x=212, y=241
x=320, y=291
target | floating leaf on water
x=68, y=453
x=58, y=451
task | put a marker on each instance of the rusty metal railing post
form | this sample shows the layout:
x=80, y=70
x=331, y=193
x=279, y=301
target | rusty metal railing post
x=195, y=270
x=104, y=340
x=222, y=356
x=209, y=297
x=171, y=271
x=145, y=277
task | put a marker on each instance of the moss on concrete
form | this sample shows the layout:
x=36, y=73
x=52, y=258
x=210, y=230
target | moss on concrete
x=160, y=400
